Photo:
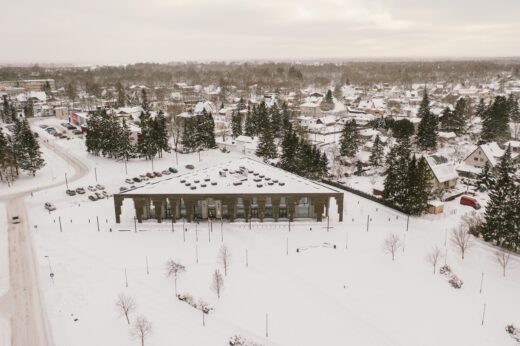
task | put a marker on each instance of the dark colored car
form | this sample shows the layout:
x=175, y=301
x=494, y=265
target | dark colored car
x=150, y=175
x=190, y=166
x=77, y=132
x=173, y=170
x=157, y=174
x=92, y=198
x=71, y=192
x=80, y=190
x=136, y=179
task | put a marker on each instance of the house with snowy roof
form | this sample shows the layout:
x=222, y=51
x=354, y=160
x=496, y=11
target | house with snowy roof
x=485, y=153
x=444, y=175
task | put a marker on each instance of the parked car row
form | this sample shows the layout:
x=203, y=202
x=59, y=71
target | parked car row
x=150, y=175
x=54, y=132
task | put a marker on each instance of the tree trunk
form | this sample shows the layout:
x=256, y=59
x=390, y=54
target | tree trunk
x=127, y=319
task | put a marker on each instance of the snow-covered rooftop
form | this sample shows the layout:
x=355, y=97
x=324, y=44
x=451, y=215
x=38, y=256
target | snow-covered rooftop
x=240, y=176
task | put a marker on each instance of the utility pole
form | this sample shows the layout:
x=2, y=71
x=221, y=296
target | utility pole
x=59, y=220
x=147, y=269
x=66, y=181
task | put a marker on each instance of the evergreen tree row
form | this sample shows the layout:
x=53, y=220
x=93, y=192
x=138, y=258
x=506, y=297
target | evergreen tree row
x=21, y=151
x=496, y=117
x=407, y=182
x=502, y=217
x=300, y=157
x=198, y=132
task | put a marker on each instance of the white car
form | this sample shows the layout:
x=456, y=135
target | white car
x=100, y=187
x=15, y=220
x=49, y=206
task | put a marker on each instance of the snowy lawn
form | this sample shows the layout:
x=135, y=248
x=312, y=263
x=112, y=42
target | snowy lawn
x=320, y=295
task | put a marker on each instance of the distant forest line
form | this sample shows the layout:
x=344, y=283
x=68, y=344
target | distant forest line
x=274, y=74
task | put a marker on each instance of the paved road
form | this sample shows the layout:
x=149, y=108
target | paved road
x=22, y=302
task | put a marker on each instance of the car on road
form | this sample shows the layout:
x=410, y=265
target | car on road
x=173, y=170
x=190, y=166
x=15, y=220
x=129, y=181
x=92, y=198
x=77, y=132
x=80, y=190
x=100, y=187
x=137, y=179
x=123, y=189
x=64, y=124
x=43, y=126
x=71, y=192
x=91, y=188
x=49, y=206
x=71, y=127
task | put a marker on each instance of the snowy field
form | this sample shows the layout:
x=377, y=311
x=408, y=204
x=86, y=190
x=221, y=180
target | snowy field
x=4, y=275
x=321, y=295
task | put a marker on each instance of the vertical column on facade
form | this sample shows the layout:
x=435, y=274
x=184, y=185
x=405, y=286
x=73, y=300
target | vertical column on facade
x=276, y=207
x=158, y=203
x=189, y=204
x=319, y=205
x=291, y=203
x=261, y=208
x=173, y=208
x=327, y=206
x=339, y=203
x=247, y=207
x=118, y=203
x=139, y=206
x=231, y=205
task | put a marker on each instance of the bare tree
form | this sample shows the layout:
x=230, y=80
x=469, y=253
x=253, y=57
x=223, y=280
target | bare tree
x=224, y=257
x=433, y=257
x=392, y=244
x=503, y=259
x=141, y=328
x=173, y=270
x=218, y=282
x=461, y=238
x=125, y=305
x=473, y=221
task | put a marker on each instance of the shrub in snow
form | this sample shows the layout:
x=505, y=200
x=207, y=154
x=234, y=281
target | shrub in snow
x=237, y=340
x=201, y=305
x=455, y=282
x=514, y=332
x=445, y=270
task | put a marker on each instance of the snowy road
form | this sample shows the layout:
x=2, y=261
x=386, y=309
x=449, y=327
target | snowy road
x=22, y=302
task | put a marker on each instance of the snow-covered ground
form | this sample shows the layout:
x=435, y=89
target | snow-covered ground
x=4, y=275
x=319, y=295
x=353, y=294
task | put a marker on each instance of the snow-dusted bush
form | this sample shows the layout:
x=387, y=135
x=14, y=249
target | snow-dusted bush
x=201, y=305
x=445, y=270
x=514, y=332
x=455, y=282
x=237, y=340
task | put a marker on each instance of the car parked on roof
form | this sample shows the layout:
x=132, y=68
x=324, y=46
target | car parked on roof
x=166, y=172
x=157, y=174
x=137, y=179
x=80, y=190
x=71, y=192
x=49, y=206
x=92, y=198
x=150, y=175
x=91, y=188
x=173, y=170
x=129, y=181
x=100, y=187
x=190, y=166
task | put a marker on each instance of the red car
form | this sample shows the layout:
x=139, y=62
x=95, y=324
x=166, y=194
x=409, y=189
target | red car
x=472, y=202
x=150, y=175
x=157, y=174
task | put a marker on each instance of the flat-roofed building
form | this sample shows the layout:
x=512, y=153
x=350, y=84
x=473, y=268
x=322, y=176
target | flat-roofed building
x=239, y=189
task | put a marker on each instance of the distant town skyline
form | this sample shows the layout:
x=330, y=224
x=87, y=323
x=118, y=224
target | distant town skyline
x=119, y=32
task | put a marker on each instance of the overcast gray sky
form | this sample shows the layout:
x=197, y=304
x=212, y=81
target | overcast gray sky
x=124, y=31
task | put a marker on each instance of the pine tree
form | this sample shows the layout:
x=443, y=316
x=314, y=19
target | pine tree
x=377, y=152
x=513, y=110
x=249, y=126
x=27, y=149
x=427, y=132
x=71, y=92
x=327, y=103
x=359, y=168
x=289, y=149
x=286, y=118
x=349, y=139
x=396, y=180
x=485, y=177
x=125, y=150
x=209, y=130
x=495, y=125
x=499, y=226
x=276, y=121
x=418, y=187
x=481, y=109
x=160, y=134
x=266, y=147
x=146, y=146
x=121, y=97
x=236, y=124
x=144, y=101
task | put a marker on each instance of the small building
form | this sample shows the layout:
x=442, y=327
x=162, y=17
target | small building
x=435, y=207
x=61, y=113
x=310, y=109
x=444, y=174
